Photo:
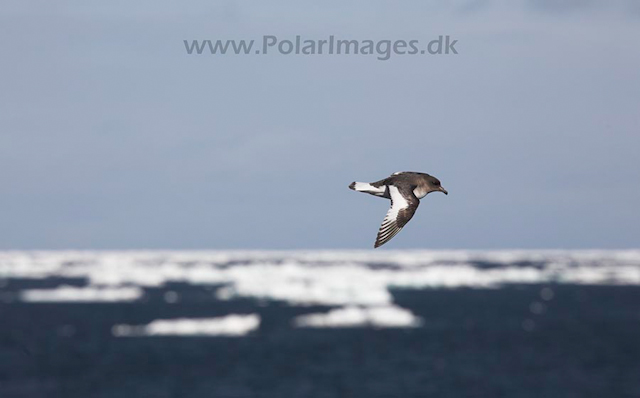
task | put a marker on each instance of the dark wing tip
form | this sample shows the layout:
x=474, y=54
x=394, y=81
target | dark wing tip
x=386, y=233
x=352, y=186
x=379, y=242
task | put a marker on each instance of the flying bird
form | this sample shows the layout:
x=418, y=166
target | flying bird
x=405, y=189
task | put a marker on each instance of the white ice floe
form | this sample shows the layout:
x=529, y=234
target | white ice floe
x=389, y=316
x=230, y=325
x=336, y=278
x=82, y=294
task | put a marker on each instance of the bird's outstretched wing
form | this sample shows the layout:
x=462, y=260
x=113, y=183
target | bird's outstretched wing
x=403, y=205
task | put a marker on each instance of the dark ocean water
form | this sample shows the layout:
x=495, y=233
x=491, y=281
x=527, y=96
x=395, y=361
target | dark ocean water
x=518, y=340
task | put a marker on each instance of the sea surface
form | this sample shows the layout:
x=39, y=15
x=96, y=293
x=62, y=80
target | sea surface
x=320, y=324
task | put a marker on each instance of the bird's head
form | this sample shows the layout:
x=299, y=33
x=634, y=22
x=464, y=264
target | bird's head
x=435, y=186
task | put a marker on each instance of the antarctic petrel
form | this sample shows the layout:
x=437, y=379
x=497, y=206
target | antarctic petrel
x=405, y=189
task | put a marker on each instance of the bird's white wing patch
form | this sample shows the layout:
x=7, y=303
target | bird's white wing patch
x=390, y=227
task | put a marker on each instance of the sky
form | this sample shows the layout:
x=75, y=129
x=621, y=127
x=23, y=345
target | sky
x=113, y=137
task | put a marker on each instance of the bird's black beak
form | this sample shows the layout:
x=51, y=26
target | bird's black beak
x=441, y=189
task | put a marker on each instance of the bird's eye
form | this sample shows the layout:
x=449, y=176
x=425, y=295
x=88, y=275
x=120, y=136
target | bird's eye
x=436, y=183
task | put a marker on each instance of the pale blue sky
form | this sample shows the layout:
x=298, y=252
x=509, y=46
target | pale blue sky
x=112, y=137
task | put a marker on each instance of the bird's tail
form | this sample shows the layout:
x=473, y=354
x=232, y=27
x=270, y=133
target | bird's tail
x=367, y=188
